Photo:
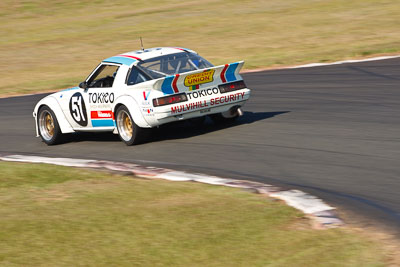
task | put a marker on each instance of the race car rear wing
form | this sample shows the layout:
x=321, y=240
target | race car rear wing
x=198, y=79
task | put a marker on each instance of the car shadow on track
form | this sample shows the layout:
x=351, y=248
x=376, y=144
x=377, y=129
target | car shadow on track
x=179, y=130
x=186, y=129
x=250, y=117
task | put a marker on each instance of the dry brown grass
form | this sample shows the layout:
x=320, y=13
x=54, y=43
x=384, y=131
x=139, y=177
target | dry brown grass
x=48, y=45
x=59, y=216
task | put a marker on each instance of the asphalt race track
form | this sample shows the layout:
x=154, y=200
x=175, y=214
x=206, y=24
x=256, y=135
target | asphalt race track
x=333, y=131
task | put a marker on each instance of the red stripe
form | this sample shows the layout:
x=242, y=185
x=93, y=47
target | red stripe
x=102, y=114
x=223, y=73
x=129, y=57
x=174, y=83
x=179, y=48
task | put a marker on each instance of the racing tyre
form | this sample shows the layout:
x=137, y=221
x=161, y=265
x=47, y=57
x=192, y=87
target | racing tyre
x=128, y=131
x=49, y=130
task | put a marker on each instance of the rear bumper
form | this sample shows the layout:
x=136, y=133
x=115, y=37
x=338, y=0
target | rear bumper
x=197, y=107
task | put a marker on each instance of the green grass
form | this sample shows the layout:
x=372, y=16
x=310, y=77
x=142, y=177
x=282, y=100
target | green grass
x=48, y=45
x=58, y=216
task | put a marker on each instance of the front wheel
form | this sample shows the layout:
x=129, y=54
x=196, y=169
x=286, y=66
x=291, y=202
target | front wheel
x=49, y=129
x=129, y=132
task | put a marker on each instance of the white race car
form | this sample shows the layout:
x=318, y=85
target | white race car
x=143, y=89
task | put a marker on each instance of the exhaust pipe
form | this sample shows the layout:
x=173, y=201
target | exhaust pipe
x=236, y=111
x=239, y=112
x=233, y=112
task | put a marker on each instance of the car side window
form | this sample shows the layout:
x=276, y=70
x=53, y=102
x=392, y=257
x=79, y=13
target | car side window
x=135, y=77
x=104, y=76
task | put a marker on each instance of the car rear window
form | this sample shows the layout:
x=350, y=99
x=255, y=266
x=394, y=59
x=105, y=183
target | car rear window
x=173, y=64
x=135, y=77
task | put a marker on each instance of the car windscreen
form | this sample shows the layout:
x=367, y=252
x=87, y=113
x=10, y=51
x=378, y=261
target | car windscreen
x=173, y=64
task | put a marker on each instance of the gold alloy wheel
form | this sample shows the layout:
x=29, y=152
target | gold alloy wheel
x=125, y=125
x=128, y=125
x=46, y=125
x=49, y=124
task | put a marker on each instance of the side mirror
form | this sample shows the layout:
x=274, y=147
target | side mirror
x=83, y=85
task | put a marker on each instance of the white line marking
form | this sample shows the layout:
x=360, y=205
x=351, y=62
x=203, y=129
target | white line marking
x=310, y=65
x=342, y=62
x=56, y=161
x=302, y=201
x=173, y=176
x=320, y=211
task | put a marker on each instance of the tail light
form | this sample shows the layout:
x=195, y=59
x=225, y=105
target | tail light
x=229, y=87
x=168, y=100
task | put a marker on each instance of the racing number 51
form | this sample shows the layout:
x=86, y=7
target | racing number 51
x=76, y=107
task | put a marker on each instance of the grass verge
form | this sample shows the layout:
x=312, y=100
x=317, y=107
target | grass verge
x=47, y=45
x=58, y=216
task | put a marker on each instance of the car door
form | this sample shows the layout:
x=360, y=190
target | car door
x=91, y=108
x=100, y=96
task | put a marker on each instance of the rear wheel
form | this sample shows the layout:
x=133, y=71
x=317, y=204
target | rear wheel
x=49, y=130
x=129, y=132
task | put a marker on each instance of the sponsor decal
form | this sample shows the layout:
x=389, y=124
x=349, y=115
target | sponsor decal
x=102, y=118
x=194, y=87
x=222, y=75
x=146, y=95
x=190, y=106
x=228, y=72
x=101, y=98
x=169, y=85
x=206, y=92
x=227, y=99
x=102, y=114
x=204, y=103
x=77, y=109
x=147, y=110
x=174, y=81
x=193, y=80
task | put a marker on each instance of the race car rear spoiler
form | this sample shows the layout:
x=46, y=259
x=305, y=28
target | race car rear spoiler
x=197, y=79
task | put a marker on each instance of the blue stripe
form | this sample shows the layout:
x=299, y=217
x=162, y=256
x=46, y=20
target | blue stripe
x=102, y=123
x=166, y=86
x=69, y=89
x=186, y=49
x=230, y=72
x=120, y=60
